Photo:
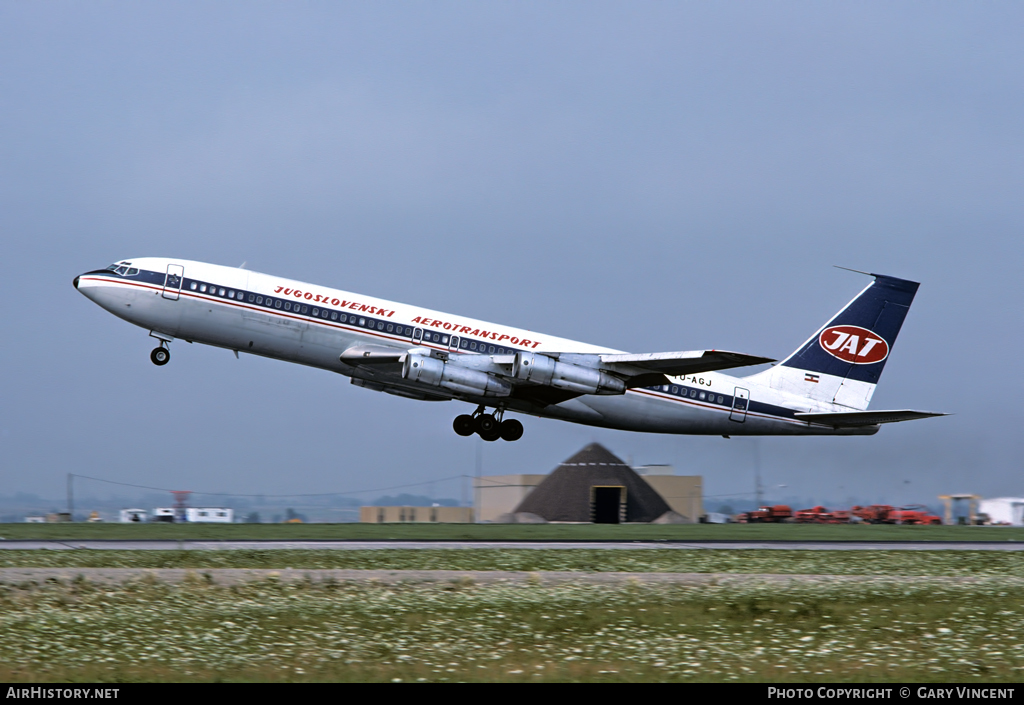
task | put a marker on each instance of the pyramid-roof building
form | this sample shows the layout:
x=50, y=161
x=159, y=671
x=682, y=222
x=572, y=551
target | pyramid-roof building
x=567, y=494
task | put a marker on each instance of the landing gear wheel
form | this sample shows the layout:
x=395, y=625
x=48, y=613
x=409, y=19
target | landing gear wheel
x=490, y=436
x=510, y=430
x=160, y=356
x=464, y=425
x=486, y=425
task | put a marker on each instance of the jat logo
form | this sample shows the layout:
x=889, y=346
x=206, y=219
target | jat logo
x=854, y=344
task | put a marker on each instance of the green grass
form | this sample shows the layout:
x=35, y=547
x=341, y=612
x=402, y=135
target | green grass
x=907, y=621
x=873, y=562
x=881, y=630
x=513, y=532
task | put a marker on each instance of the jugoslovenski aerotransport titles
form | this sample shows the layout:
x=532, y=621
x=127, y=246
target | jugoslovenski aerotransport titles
x=822, y=388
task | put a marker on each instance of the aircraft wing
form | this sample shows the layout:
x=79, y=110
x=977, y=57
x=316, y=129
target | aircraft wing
x=646, y=369
x=853, y=419
x=634, y=370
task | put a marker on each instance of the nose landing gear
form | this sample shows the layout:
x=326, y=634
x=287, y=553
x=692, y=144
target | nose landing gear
x=160, y=356
x=488, y=427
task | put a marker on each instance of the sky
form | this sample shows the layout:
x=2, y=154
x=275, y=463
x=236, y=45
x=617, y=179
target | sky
x=646, y=176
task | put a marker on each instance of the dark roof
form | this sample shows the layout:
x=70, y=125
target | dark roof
x=565, y=494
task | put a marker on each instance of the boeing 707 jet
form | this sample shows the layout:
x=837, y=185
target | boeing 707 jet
x=822, y=388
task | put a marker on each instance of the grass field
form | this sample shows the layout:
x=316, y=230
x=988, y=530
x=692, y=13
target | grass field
x=876, y=563
x=915, y=619
x=514, y=532
x=879, y=630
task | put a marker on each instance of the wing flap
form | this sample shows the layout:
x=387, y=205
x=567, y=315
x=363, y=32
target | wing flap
x=853, y=419
x=678, y=364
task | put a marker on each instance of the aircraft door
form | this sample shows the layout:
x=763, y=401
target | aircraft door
x=453, y=343
x=417, y=336
x=740, y=402
x=172, y=282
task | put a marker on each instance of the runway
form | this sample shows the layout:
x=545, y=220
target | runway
x=163, y=545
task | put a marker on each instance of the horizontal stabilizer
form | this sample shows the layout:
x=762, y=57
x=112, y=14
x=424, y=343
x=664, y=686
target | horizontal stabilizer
x=853, y=419
x=677, y=364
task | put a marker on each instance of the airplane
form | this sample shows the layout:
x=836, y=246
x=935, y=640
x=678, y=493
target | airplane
x=822, y=388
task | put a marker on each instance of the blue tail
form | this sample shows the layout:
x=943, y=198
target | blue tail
x=842, y=362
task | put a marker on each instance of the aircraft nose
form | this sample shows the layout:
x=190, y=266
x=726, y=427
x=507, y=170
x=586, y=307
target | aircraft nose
x=75, y=282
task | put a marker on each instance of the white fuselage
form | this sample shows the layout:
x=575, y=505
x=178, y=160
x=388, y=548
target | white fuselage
x=313, y=325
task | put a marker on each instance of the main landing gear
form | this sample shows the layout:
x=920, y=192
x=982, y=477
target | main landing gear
x=488, y=427
x=160, y=356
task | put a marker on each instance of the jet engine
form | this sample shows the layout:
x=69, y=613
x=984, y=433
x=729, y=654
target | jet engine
x=541, y=369
x=447, y=375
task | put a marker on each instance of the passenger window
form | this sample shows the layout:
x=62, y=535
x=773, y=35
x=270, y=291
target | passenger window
x=323, y=314
x=251, y=298
x=277, y=303
x=390, y=327
x=202, y=288
x=490, y=349
x=304, y=308
x=316, y=312
x=287, y=305
x=344, y=318
x=720, y=400
x=193, y=286
x=702, y=395
x=464, y=344
x=221, y=292
x=334, y=315
x=693, y=393
x=231, y=293
x=444, y=339
x=675, y=390
x=362, y=321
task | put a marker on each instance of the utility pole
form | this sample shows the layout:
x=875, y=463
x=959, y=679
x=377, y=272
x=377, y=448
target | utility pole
x=71, y=497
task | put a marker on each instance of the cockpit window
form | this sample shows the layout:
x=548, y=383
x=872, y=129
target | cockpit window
x=111, y=268
x=121, y=270
x=133, y=271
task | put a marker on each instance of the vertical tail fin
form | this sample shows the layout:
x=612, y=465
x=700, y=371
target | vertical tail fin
x=842, y=362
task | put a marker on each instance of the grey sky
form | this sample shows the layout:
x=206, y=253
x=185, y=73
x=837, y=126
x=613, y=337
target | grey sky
x=655, y=176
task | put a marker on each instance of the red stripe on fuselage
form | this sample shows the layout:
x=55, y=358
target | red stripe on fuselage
x=236, y=304
x=726, y=410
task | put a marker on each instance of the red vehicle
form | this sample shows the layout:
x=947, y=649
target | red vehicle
x=912, y=514
x=775, y=513
x=822, y=515
x=874, y=513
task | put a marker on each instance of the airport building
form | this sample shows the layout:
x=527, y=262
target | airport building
x=424, y=515
x=595, y=486
x=197, y=515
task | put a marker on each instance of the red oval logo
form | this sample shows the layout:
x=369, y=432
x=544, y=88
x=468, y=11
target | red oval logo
x=854, y=344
